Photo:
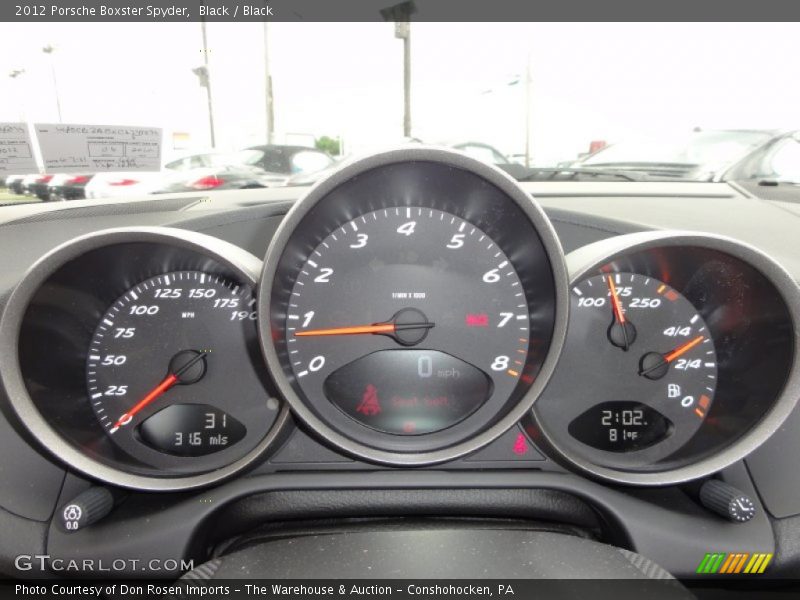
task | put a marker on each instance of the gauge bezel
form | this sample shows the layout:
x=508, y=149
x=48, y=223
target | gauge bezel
x=552, y=250
x=590, y=260
x=243, y=264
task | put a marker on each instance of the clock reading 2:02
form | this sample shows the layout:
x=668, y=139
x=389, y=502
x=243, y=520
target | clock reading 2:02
x=403, y=330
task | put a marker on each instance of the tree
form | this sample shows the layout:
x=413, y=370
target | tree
x=327, y=144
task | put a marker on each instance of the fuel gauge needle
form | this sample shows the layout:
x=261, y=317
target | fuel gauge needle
x=654, y=365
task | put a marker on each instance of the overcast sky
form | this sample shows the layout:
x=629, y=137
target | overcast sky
x=589, y=81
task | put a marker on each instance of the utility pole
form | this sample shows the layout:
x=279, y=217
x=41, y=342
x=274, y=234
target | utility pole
x=14, y=75
x=205, y=81
x=270, y=116
x=49, y=49
x=401, y=15
x=528, y=111
x=405, y=33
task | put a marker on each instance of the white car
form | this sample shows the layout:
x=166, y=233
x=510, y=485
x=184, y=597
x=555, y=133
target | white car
x=119, y=184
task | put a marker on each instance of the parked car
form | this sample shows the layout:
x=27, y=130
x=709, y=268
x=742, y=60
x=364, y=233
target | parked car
x=483, y=152
x=68, y=186
x=214, y=178
x=491, y=155
x=290, y=160
x=119, y=184
x=36, y=184
x=14, y=183
x=699, y=156
x=772, y=171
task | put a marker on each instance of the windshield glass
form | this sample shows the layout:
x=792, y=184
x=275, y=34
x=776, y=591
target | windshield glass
x=709, y=149
x=636, y=101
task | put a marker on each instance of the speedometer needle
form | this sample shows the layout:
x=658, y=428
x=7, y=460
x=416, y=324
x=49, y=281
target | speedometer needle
x=654, y=365
x=170, y=380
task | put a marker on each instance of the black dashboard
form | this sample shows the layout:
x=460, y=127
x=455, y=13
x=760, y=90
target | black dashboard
x=413, y=337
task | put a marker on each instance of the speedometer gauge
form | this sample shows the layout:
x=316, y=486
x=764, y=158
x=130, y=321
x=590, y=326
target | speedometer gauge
x=159, y=363
x=139, y=361
x=416, y=302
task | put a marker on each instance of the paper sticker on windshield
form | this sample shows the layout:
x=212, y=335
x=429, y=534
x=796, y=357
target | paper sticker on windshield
x=16, y=152
x=91, y=148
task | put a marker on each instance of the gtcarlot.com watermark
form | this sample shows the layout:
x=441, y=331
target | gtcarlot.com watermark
x=45, y=562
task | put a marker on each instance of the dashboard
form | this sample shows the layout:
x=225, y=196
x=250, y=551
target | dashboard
x=412, y=340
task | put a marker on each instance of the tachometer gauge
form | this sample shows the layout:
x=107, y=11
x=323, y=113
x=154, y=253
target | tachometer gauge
x=415, y=302
x=650, y=352
x=394, y=280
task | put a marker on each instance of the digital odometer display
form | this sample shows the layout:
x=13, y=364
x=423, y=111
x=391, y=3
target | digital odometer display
x=621, y=426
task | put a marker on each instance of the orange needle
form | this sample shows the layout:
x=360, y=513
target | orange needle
x=162, y=387
x=170, y=380
x=355, y=330
x=615, y=301
x=682, y=349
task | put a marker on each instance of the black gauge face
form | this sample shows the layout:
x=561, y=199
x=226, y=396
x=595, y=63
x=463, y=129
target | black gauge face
x=160, y=372
x=412, y=306
x=650, y=367
x=408, y=320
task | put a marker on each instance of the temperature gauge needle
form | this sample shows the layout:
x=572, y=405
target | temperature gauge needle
x=407, y=327
x=173, y=378
x=654, y=365
x=621, y=332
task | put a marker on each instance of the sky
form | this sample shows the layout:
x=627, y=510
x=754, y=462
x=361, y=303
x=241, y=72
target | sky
x=588, y=81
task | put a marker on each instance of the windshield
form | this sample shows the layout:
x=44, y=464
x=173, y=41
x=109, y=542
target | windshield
x=636, y=101
x=707, y=149
x=703, y=151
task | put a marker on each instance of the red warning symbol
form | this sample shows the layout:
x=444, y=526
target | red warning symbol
x=477, y=320
x=520, y=445
x=369, y=405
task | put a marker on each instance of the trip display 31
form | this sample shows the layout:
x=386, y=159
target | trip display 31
x=408, y=324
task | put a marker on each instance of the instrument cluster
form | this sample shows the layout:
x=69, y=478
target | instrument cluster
x=411, y=308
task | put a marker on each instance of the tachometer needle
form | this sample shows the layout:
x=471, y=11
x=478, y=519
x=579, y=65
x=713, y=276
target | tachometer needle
x=407, y=327
x=654, y=365
x=357, y=329
x=170, y=380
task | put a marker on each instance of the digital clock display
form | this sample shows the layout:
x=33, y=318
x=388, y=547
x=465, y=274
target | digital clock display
x=620, y=426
